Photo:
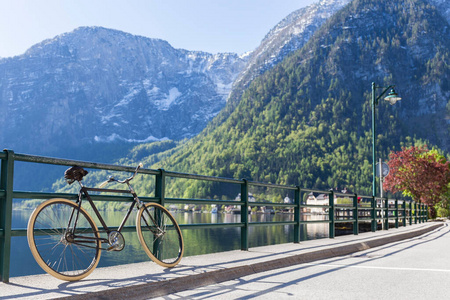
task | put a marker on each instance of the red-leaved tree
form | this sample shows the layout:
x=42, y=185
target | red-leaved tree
x=420, y=173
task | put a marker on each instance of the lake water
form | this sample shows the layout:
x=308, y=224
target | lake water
x=197, y=241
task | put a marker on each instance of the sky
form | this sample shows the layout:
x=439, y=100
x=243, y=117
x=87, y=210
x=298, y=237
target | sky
x=208, y=25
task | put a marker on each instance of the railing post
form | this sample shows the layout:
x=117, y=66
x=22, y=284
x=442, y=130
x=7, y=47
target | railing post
x=386, y=214
x=355, y=215
x=331, y=215
x=160, y=193
x=415, y=212
x=396, y=213
x=404, y=213
x=374, y=214
x=420, y=213
x=426, y=213
x=410, y=212
x=6, y=185
x=244, y=215
x=160, y=186
x=297, y=211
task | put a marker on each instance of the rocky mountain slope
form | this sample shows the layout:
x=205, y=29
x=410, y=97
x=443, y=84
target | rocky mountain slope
x=307, y=121
x=288, y=36
x=96, y=85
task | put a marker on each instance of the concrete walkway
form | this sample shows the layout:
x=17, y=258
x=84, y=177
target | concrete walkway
x=416, y=268
x=148, y=280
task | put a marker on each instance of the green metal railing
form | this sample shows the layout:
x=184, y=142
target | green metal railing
x=377, y=211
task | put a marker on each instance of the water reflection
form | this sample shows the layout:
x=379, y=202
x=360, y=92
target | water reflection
x=197, y=241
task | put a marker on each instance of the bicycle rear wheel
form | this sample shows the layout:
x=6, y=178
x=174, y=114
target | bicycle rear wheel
x=159, y=235
x=61, y=251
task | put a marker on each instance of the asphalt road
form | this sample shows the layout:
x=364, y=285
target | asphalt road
x=417, y=268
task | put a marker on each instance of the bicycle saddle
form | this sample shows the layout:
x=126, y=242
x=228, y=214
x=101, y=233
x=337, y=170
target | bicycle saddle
x=74, y=173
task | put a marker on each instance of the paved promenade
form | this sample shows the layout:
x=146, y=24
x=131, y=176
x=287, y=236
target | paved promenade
x=409, y=262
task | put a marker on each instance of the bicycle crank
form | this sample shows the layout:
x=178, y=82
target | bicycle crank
x=116, y=241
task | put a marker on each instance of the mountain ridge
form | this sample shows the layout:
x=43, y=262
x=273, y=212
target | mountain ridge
x=289, y=35
x=307, y=120
x=99, y=85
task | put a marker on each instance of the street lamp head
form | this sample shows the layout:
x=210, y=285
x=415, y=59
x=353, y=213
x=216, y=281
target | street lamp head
x=392, y=97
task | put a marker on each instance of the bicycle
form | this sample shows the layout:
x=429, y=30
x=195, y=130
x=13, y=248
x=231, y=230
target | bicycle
x=67, y=244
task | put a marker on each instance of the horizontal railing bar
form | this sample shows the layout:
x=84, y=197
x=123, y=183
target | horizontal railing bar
x=272, y=185
x=214, y=225
x=314, y=206
x=272, y=223
x=43, y=195
x=23, y=232
x=345, y=221
x=315, y=221
x=202, y=177
x=104, y=190
x=271, y=204
x=344, y=195
x=40, y=195
x=70, y=162
x=315, y=191
x=227, y=202
x=129, y=228
x=203, y=201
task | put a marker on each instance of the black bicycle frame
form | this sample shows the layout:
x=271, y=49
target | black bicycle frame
x=84, y=193
x=84, y=190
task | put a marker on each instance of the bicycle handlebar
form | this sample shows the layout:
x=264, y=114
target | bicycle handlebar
x=111, y=179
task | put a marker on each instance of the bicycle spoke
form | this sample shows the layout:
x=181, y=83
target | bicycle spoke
x=54, y=244
x=159, y=235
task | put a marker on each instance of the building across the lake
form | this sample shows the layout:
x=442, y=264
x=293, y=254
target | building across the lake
x=322, y=199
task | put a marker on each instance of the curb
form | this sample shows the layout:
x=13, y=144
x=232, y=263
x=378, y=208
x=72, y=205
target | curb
x=175, y=285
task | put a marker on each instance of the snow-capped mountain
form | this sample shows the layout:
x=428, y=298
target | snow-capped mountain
x=289, y=35
x=286, y=37
x=95, y=85
x=101, y=85
x=308, y=120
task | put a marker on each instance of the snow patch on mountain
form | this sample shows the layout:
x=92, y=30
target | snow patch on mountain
x=165, y=103
x=116, y=137
x=289, y=35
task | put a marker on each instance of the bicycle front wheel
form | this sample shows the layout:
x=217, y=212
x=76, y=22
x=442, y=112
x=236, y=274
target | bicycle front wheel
x=159, y=235
x=62, y=251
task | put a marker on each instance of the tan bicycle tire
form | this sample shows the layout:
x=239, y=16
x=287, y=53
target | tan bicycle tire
x=35, y=252
x=175, y=232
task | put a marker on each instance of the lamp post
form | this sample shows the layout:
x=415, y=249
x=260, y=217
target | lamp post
x=392, y=97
